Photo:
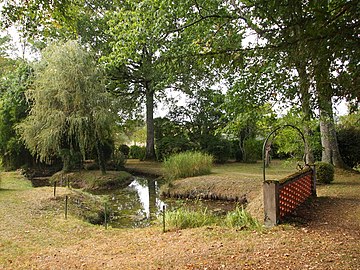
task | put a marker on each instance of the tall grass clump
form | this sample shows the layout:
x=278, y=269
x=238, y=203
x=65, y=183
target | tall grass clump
x=187, y=164
x=183, y=218
x=241, y=219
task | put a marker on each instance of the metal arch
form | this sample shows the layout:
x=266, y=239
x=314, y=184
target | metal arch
x=268, y=137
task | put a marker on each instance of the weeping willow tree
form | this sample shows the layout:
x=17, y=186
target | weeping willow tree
x=70, y=112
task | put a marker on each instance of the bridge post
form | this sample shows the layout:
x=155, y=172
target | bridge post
x=271, y=203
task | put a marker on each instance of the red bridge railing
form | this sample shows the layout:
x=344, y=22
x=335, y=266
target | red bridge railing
x=282, y=197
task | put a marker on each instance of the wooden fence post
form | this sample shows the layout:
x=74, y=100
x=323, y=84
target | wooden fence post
x=271, y=202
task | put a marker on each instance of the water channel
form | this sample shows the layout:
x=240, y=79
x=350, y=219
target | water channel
x=139, y=204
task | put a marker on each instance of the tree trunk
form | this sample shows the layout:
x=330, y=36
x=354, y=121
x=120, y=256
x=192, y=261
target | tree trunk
x=150, y=141
x=330, y=148
x=321, y=64
x=304, y=84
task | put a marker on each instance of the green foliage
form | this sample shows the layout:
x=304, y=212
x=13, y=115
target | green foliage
x=137, y=152
x=187, y=164
x=236, y=151
x=119, y=159
x=170, y=138
x=349, y=139
x=253, y=150
x=324, y=172
x=349, y=145
x=288, y=142
x=71, y=109
x=218, y=147
x=240, y=218
x=168, y=146
x=183, y=218
x=124, y=149
x=247, y=122
x=13, y=109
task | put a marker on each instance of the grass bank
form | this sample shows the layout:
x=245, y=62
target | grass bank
x=93, y=180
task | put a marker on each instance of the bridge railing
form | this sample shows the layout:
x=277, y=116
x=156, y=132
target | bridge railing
x=282, y=197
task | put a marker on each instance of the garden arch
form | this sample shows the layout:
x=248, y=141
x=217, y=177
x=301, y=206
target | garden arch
x=269, y=136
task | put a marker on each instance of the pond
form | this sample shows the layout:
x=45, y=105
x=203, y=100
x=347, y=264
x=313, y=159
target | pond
x=134, y=206
x=139, y=204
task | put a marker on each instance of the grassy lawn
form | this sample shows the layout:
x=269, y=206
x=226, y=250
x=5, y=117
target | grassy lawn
x=35, y=235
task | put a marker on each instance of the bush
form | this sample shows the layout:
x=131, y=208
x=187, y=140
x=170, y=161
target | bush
x=324, y=172
x=349, y=145
x=235, y=150
x=167, y=146
x=124, y=149
x=187, y=164
x=219, y=148
x=119, y=160
x=253, y=150
x=137, y=152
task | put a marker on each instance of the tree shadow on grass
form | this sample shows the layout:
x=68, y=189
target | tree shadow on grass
x=325, y=211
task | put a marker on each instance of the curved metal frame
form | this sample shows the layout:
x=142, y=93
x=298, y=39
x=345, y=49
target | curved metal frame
x=268, y=137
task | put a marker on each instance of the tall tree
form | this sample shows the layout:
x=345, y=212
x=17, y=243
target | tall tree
x=144, y=47
x=306, y=36
x=71, y=112
x=13, y=109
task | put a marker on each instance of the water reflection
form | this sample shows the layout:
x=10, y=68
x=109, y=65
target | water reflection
x=134, y=206
x=139, y=204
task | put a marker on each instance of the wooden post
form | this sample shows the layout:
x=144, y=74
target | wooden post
x=163, y=208
x=105, y=215
x=271, y=203
x=66, y=206
x=313, y=189
x=54, y=188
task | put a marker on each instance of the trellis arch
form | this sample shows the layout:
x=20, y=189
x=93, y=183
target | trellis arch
x=269, y=136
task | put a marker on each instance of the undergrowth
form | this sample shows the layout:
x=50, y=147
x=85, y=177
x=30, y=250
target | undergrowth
x=183, y=218
x=187, y=164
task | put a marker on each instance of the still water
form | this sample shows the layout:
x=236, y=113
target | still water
x=139, y=204
x=134, y=206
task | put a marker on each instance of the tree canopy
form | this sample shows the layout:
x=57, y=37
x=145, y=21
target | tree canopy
x=71, y=110
x=303, y=55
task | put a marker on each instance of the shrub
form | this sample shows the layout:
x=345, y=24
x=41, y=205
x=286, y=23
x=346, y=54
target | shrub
x=240, y=218
x=137, y=152
x=324, y=172
x=167, y=146
x=119, y=160
x=187, y=164
x=349, y=145
x=219, y=148
x=124, y=149
x=252, y=150
x=235, y=150
x=183, y=218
